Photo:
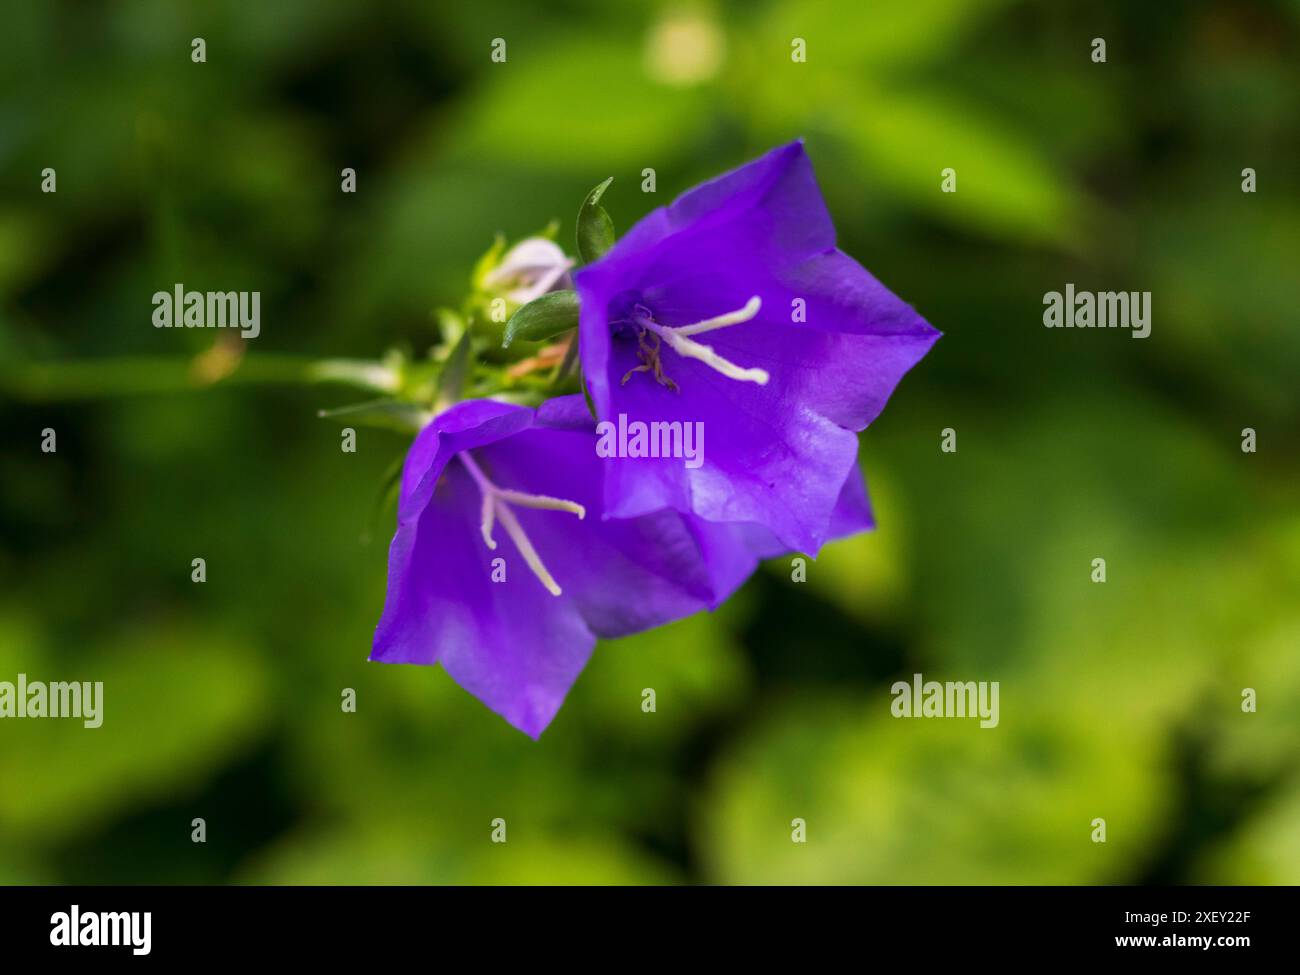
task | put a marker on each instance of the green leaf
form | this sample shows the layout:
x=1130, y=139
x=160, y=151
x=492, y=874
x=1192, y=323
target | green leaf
x=834, y=760
x=569, y=366
x=451, y=326
x=586, y=396
x=543, y=318
x=451, y=381
x=1018, y=194
x=485, y=264
x=627, y=118
x=595, y=228
x=389, y=489
x=389, y=414
x=151, y=745
x=876, y=36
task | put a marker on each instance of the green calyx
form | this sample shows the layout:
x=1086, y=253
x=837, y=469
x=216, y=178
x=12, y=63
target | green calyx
x=514, y=337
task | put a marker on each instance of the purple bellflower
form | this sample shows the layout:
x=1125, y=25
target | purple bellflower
x=733, y=307
x=505, y=570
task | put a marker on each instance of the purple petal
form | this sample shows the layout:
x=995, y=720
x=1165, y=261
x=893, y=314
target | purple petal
x=851, y=515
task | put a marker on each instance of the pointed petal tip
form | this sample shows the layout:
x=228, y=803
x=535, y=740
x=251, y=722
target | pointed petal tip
x=531, y=724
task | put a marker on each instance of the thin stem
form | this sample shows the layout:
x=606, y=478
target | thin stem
x=153, y=375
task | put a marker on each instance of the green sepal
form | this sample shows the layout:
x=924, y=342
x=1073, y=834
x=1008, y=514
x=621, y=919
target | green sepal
x=455, y=373
x=543, y=318
x=385, y=496
x=586, y=396
x=388, y=414
x=595, y=229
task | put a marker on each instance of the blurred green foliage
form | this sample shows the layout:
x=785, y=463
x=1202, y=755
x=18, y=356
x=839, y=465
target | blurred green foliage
x=222, y=700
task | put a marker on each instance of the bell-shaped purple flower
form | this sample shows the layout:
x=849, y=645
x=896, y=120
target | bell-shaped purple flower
x=733, y=307
x=505, y=570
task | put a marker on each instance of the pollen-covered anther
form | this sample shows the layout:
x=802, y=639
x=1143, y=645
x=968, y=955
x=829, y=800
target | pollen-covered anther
x=647, y=352
x=679, y=340
x=496, y=507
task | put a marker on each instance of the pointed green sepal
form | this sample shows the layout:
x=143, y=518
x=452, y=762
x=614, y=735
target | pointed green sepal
x=455, y=373
x=389, y=414
x=543, y=318
x=386, y=495
x=595, y=228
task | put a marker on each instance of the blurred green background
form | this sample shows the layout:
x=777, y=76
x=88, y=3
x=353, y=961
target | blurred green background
x=1119, y=701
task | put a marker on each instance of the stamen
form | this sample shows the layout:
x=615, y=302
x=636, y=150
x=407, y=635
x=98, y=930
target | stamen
x=542, y=502
x=722, y=321
x=487, y=517
x=648, y=354
x=677, y=338
x=496, y=505
x=517, y=535
x=690, y=349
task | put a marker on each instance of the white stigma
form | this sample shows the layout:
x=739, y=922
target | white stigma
x=677, y=337
x=496, y=506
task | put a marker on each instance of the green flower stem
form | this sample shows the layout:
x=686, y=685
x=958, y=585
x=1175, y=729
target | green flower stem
x=151, y=375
